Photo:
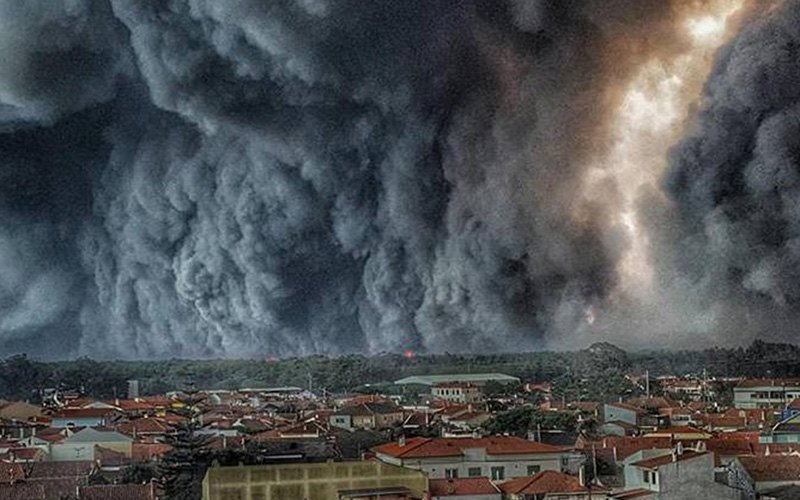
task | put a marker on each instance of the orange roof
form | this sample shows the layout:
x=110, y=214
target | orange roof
x=142, y=426
x=11, y=472
x=451, y=447
x=751, y=437
x=83, y=413
x=463, y=486
x=144, y=452
x=722, y=421
x=367, y=398
x=133, y=405
x=772, y=467
x=544, y=482
x=654, y=463
x=763, y=382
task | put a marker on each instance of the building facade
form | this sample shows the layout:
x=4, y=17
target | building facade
x=498, y=458
x=765, y=393
x=315, y=481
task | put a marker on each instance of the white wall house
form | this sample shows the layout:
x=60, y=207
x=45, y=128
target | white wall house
x=498, y=458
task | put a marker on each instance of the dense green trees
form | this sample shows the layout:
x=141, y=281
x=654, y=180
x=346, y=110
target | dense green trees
x=519, y=421
x=596, y=373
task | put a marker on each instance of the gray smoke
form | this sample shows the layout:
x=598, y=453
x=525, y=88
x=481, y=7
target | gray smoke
x=735, y=181
x=241, y=177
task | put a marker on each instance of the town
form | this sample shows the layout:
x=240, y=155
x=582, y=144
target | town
x=445, y=436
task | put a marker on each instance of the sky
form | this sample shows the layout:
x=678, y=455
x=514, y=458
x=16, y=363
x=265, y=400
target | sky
x=240, y=178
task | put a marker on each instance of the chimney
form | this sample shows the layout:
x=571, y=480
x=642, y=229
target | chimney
x=401, y=441
x=679, y=448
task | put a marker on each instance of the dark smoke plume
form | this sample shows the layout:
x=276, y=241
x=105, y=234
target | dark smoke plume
x=735, y=180
x=249, y=177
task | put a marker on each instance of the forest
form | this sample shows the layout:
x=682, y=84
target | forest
x=596, y=373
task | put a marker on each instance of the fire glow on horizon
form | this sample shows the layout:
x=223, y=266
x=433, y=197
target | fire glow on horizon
x=650, y=119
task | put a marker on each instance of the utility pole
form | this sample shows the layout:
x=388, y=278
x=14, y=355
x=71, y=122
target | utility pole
x=647, y=383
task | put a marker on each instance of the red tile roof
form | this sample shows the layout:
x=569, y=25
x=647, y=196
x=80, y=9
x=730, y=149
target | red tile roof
x=451, y=447
x=83, y=413
x=773, y=467
x=11, y=472
x=544, y=482
x=79, y=468
x=143, y=426
x=22, y=491
x=654, y=463
x=763, y=382
x=145, y=452
x=463, y=486
x=118, y=492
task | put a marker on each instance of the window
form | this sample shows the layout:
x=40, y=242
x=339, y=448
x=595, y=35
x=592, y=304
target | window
x=655, y=477
x=451, y=473
x=646, y=476
x=498, y=473
x=564, y=462
x=474, y=472
x=534, y=469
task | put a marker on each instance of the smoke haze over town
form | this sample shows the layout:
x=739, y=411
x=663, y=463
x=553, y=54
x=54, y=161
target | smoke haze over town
x=203, y=178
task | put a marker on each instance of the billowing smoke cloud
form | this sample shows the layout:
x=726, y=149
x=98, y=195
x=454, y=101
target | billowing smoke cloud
x=203, y=178
x=735, y=235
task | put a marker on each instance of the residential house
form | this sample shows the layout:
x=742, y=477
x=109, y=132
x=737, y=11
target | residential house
x=760, y=474
x=622, y=412
x=465, y=488
x=682, y=433
x=458, y=392
x=497, y=457
x=785, y=431
x=691, y=388
x=21, y=411
x=81, y=445
x=765, y=393
x=82, y=417
x=551, y=485
x=679, y=475
x=367, y=416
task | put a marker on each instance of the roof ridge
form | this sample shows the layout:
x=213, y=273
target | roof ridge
x=414, y=447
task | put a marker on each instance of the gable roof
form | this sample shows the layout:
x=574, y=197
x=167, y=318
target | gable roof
x=544, y=482
x=74, y=468
x=462, y=486
x=89, y=435
x=452, y=447
x=772, y=467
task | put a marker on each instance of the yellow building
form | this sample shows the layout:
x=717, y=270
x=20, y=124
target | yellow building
x=312, y=481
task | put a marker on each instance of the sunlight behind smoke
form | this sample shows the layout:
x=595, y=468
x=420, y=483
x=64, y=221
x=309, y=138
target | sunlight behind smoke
x=649, y=120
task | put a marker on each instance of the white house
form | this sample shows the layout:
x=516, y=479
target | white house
x=498, y=457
